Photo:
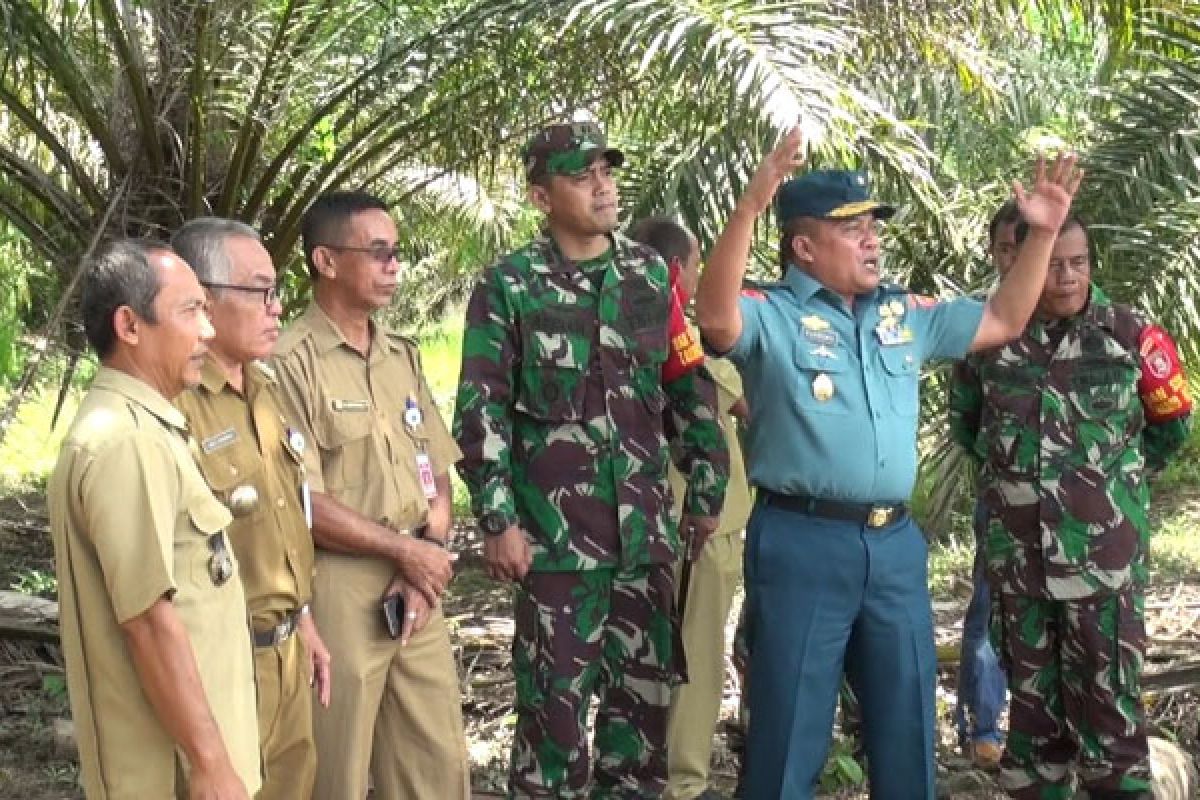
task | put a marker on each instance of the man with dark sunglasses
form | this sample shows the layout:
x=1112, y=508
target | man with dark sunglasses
x=378, y=466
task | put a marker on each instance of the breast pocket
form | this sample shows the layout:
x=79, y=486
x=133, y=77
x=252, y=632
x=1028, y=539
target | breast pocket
x=235, y=475
x=902, y=372
x=549, y=393
x=1106, y=411
x=821, y=380
x=345, y=441
x=203, y=556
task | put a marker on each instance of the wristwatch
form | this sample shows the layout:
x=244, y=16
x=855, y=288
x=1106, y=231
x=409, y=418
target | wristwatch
x=493, y=523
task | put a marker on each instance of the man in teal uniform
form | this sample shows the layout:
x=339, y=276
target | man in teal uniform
x=835, y=566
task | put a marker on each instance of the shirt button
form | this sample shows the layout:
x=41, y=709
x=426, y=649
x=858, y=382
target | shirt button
x=280, y=502
x=232, y=470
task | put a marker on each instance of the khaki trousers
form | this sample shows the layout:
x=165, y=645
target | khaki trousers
x=395, y=712
x=696, y=705
x=285, y=726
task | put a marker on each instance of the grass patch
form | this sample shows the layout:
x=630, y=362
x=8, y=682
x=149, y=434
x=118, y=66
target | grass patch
x=441, y=358
x=30, y=448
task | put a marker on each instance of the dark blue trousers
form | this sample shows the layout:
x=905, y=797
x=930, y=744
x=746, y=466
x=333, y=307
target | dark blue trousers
x=827, y=596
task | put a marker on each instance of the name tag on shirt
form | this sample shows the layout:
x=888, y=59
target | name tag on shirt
x=350, y=405
x=893, y=336
x=222, y=439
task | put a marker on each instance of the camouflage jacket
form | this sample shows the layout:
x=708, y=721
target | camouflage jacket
x=563, y=418
x=1064, y=422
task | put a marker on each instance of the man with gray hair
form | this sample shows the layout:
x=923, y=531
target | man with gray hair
x=253, y=461
x=151, y=608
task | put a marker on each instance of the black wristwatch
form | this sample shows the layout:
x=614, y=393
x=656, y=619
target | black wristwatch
x=493, y=523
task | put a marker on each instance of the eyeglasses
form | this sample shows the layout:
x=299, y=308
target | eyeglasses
x=381, y=252
x=269, y=293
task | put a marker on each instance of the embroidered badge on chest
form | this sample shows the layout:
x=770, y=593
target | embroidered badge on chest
x=818, y=331
x=891, y=329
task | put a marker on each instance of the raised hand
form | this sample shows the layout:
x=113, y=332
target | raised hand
x=1046, y=205
x=785, y=159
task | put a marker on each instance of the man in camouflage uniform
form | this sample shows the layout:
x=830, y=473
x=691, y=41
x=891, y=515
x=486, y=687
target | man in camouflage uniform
x=564, y=419
x=1069, y=417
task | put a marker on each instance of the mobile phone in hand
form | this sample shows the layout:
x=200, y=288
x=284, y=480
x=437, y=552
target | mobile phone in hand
x=393, y=614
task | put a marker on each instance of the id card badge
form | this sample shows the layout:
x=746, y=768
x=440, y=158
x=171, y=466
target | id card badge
x=425, y=474
x=306, y=500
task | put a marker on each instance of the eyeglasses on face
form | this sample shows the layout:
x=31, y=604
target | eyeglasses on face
x=381, y=252
x=269, y=293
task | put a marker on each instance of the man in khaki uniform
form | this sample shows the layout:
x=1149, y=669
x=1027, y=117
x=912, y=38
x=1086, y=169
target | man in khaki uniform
x=717, y=568
x=378, y=473
x=152, y=613
x=253, y=462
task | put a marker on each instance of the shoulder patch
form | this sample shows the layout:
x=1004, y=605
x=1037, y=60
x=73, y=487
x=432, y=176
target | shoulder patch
x=921, y=301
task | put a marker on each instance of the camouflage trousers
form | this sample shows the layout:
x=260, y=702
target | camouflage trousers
x=603, y=632
x=1074, y=674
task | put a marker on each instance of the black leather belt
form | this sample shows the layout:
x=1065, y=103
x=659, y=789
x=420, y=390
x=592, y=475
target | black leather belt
x=273, y=637
x=863, y=513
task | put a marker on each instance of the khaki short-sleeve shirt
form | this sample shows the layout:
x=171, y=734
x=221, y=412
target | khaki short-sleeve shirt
x=132, y=521
x=253, y=462
x=372, y=420
x=739, y=499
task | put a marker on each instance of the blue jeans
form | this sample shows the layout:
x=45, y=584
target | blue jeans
x=982, y=684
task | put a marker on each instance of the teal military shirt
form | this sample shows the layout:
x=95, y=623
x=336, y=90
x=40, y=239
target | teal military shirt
x=833, y=390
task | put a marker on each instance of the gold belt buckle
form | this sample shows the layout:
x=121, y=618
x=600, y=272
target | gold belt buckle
x=879, y=516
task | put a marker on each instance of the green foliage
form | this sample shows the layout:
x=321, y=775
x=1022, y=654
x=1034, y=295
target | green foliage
x=842, y=770
x=36, y=582
x=1182, y=473
x=55, y=686
x=441, y=351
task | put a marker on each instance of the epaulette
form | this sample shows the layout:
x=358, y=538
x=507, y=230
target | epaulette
x=400, y=337
x=266, y=369
x=291, y=337
x=623, y=244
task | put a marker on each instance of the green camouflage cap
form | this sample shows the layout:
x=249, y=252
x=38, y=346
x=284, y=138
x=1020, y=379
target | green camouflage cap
x=567, y=150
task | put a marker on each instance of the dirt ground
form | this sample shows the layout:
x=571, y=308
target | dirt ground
x=37, y=761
